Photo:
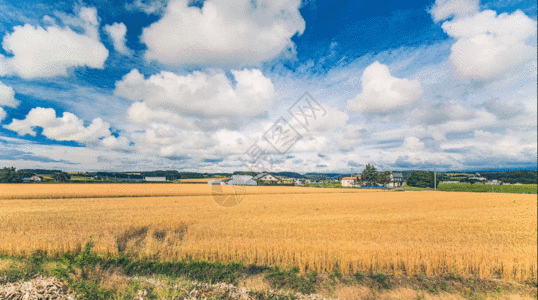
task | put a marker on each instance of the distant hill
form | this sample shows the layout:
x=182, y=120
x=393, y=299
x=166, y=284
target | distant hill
x=289, y=174
x=40, y=171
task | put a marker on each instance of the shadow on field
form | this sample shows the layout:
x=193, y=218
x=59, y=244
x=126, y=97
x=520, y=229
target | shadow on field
x=135, y=238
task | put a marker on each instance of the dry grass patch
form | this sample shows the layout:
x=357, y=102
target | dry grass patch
x=254, y=282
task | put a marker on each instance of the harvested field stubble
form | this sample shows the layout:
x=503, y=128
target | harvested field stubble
x=431, y=233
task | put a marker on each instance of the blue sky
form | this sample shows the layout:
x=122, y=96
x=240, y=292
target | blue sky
x=199, y=85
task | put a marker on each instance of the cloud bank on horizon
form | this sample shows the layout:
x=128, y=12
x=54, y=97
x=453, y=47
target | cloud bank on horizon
x=192, y=85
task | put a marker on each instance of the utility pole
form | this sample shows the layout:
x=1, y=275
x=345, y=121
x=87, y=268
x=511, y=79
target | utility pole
x=434, y=179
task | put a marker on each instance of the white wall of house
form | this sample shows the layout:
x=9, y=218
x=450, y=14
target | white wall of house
x=349, y=182
x=269, y=177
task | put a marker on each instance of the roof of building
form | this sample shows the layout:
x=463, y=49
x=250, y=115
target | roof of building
x=260, y=176
x=349, y=178
x=241, y=180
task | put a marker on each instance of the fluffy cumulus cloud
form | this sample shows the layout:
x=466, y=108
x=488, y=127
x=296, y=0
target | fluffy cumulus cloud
x=7, y=96
x=116, y=143
x=223, y=33
x=53, y=50
x=117, y=32
x=67, y=128
x=178, y=116
x=198, y=94
x=444, y=9
x=487, y=45
x=413, y=143
x=382, y=93
x=7, y=99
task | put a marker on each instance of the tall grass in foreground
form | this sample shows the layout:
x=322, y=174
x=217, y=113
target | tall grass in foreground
x=322, y=230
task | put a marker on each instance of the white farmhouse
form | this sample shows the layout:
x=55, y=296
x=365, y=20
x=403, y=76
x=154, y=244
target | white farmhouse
x=265, y=177
x=396, y=180
x=349, y=182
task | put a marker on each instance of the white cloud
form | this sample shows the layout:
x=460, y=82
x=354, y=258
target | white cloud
x=231, y=141
x=434, y=113
x=223, y=33
x=488, y=45
x=334, y=119
x=117, y=32
x=67, y=128
x=139, y=113
x=413, y=143
x=444, y=9
x=150, y=7
x=199, y=94
x=53, y=50
x=7, y=96
x=115, y=143
x=382, y=93
x=481, y=119
x=495, y=148
x=168, y=140
x=75, y=158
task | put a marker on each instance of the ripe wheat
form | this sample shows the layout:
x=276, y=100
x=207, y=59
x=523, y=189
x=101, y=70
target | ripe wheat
x=433, y=233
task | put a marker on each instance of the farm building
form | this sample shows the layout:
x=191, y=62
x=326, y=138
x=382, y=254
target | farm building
x=299, y=182
x=396, y=180
x=241, y=180
x=478, y=177
x=265, y=177
x=350, y=182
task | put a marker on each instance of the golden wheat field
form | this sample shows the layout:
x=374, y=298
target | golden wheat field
x=485, y=235
x=202, y=180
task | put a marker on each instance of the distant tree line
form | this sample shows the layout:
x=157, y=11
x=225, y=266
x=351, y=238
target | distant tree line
x=169, y=174
x=423, y=179
x=250, y=173
x=371, y=177
x=519, y=176
x=11, y=175
x=41, y=171
x=61, y=177
x=117, y=175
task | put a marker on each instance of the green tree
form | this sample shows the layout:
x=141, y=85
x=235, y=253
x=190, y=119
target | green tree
x=10, y=175
x=61, y=177
x=383, y=178
x=369, y=175
x=423, y=179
